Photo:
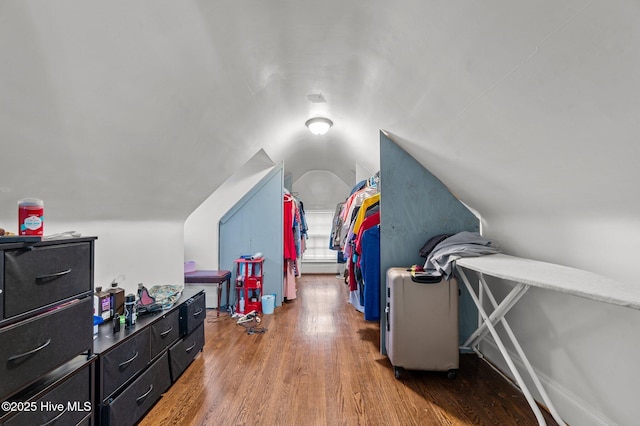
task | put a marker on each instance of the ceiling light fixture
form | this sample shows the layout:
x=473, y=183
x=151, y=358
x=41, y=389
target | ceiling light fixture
x=319, y=125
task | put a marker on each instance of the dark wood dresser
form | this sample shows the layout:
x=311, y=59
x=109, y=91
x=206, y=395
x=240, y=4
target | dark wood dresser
x=137, y=365
x=46, y=332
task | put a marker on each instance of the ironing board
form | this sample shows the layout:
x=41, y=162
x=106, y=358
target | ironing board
x=528, y=273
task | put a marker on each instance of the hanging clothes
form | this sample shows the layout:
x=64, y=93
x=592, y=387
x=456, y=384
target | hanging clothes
x=350, y=213
x=295, y=235
x=290, y=290
x=359, y=186
x=368, y=223
x=366, y=203
x=336, y=224
x=289, y=247
x=353, y=218
x=360, y=214
x=290, y=251
x=370, y=266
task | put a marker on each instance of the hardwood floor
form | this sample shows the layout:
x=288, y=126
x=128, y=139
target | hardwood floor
x=319, y=363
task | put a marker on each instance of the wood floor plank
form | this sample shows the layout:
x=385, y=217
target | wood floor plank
x=319, y=363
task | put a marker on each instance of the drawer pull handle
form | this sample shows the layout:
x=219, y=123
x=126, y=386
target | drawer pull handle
x=54, y=275
x=195, y=314
x=127, y=362
x=53, y=420
x=144, y=395
x=31, y=352
x=164, y=333
x=190, y=348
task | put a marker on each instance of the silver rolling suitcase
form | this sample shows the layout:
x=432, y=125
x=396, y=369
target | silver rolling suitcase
x=422, y=324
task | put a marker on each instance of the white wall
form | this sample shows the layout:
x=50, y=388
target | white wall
x=148, y=252
x=585, y=351
x=320, y=190
x=363, y=172
x=518, y=107
x=201, y=227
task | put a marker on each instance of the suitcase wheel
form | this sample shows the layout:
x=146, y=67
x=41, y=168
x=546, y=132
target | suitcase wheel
x=451, y=374
x=397, y=371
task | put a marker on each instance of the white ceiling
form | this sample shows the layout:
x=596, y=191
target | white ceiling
x=125, y=109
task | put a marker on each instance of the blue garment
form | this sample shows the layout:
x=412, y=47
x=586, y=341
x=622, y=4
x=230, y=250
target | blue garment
x=370, y=265
x=358, y=186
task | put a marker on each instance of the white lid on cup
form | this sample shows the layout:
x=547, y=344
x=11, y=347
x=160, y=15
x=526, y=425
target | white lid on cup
x=25, y=202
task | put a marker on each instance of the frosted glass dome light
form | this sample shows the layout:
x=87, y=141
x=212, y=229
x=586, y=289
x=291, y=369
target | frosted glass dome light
x=319, y=125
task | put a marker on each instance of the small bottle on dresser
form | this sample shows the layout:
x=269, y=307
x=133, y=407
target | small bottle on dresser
x=104, y=304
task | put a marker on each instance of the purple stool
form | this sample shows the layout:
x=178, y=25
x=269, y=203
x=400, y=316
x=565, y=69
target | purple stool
x=210, y=277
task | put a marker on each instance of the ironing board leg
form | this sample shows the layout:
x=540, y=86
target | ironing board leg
x=523, y=357
x=498, y=313
x=503, y=349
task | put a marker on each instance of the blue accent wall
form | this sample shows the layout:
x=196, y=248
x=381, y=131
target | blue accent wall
x=415, y=206
x=254, y=224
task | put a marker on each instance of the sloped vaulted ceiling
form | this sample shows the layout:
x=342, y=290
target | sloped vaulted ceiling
x=134, y=109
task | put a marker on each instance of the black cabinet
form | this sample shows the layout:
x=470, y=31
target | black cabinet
x=192, y=313
x=63, y=398
x=164, y=333
x=46, y=332
x=36, y=346
x=43, y=275
x=130, y=405
x=124, y=361
x=183, y=352
x=136, y=365
x=52, y=370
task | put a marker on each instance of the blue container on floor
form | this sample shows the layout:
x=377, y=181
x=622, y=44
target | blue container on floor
x=268, y=303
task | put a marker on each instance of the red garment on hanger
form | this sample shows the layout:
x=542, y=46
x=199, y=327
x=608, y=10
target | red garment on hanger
x=289, y=241
x=353, y=284
x=369, y=222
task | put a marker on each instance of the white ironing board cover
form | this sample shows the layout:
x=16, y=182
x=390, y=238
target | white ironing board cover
x=554, y=277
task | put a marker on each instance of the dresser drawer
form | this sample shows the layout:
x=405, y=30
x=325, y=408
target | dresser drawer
x=42, y=276
x=128, y=407
x=124, y=361
x=87, y=422
x=164, y=332
x=68, y=403
x=192, y=314
x=182, y=353
x=40, y=344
